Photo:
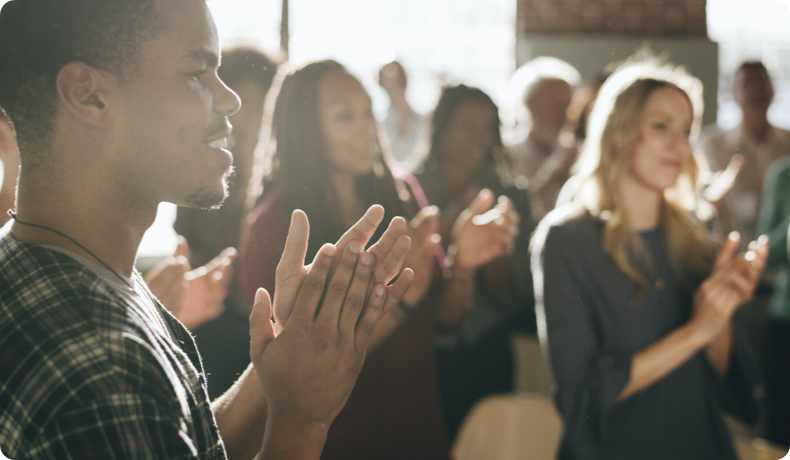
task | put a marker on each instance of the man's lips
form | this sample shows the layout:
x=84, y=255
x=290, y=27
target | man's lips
x=218, y=147
x=220, y=133
x=220, y=143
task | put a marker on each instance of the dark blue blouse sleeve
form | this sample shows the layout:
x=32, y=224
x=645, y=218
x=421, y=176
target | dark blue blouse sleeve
x=587, y=379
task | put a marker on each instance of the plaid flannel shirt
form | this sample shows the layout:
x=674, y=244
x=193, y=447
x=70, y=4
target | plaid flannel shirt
x=85, y=374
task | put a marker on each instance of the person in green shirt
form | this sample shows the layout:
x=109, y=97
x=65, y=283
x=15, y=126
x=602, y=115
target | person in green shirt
x=774, y=221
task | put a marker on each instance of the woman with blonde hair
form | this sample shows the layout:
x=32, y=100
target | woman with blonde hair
x=634, y=303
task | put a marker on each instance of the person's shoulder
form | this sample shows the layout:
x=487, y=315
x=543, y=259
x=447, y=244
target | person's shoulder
x=38, y=278
x=570, y=218
x=781, y=163
x=712, y=133
x=56, y=352
x=779, y=168
x=56, y=305
x=56, y=308
x=569, y=225
x=718, y=145
x=782, y=134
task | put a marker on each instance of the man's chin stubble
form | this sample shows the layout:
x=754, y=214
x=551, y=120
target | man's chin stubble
x=209, y=198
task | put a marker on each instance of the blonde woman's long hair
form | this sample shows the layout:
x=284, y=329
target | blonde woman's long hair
x=606, y=158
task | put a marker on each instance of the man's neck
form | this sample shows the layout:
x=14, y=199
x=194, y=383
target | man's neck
x=544, y=144
x=398, y=101
x=755, y=125
x=100, y=225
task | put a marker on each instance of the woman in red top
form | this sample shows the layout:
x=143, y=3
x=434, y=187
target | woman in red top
x=324, y=157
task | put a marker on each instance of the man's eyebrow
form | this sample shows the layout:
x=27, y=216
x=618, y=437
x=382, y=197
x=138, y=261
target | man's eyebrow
x=204, y=55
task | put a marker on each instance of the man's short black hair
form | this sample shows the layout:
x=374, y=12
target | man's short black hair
x=752, y=65
x=39, y=37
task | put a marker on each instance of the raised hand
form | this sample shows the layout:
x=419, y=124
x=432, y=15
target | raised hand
x=166, y=279
x=207, y=287
x=308, y=370
x=193, y=296
x=724, y=181
x=388, y=252
x=731, y=283
x=424, y=241
x=481, y=233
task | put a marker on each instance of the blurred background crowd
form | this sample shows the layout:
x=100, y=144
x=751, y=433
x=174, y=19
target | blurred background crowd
x=440, y=110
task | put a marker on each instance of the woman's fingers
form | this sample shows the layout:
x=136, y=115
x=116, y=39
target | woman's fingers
x=425, y=222
x=388, y=268
x=482, y=202
x=732, y=284
x=382, y=300
x=759, y=250
x=727, y=250
x=182, y=247
x=741, y=280
x=223, y=262
x=729, y=286
x=398, y=289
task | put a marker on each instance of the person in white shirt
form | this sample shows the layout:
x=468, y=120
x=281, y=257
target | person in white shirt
x=403, y=125
x=540, y=154
x=755, y=140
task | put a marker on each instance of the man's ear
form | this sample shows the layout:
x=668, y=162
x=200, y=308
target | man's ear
x=7, y=139
x=82, y=89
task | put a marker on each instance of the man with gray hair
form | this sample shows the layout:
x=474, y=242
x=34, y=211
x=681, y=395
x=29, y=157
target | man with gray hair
x=539, y=153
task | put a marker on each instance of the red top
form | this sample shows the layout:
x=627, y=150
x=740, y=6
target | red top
x=393, y=411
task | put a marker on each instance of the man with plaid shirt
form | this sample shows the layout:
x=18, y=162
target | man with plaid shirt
x=117, y=107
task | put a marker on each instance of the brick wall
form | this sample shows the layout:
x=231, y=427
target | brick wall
x=652, y=17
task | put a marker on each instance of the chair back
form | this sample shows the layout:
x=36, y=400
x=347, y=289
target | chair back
x=519, y=426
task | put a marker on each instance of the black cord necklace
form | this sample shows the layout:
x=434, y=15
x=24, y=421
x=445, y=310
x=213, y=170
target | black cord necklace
x=13, y=216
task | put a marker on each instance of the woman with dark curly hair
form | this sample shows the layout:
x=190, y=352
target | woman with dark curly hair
x=465, y=155
x=322, y=122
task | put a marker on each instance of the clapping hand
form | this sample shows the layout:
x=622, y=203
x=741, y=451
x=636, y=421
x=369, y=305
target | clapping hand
x=193, y=296
x=724, y=181
x=207, y=287
x=731, y=283
x=325, y=313
x=422, y=230
x=389, y=252
x=481, y=233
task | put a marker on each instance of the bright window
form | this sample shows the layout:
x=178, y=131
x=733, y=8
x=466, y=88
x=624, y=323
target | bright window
x=753, y=30
x=469, y=41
